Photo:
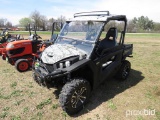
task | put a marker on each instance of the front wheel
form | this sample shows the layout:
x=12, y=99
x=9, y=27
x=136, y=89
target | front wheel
x=22, y=65
x=74, y=95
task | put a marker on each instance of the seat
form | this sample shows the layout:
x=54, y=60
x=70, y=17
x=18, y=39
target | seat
x=109, y=41
x=35, y=44
x=18, y=36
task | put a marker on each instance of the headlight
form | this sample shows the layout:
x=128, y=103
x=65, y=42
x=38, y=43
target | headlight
x=67, y=63
x=10, y=45
x=63, y=65
x=60, y=65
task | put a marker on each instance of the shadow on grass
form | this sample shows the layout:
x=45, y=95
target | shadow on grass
x=109, y=89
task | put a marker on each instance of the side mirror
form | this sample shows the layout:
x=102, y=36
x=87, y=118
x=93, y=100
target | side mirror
x=103, y=29
x=54, y=36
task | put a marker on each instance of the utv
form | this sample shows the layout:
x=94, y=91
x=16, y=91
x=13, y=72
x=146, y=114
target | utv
x=80, y=61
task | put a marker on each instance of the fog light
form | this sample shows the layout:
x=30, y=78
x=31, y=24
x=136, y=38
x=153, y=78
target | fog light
x=36, y=65
x=67, y=63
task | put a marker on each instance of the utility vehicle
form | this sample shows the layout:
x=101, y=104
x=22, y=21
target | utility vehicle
x=80, y=60
x=21, y=53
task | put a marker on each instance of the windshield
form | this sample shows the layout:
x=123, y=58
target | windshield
x=80, y=34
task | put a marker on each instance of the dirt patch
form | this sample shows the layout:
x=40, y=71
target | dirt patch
x=158, y=93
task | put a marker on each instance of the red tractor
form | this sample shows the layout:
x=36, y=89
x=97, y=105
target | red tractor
x=22, y=53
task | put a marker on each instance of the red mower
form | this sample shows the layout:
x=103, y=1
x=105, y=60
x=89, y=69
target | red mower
x=22, y=53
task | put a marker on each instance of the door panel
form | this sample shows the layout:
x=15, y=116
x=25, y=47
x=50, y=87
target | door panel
x=109, y=62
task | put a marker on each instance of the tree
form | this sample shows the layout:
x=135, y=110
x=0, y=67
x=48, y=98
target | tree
x=140, y=24
x=24, y=22
x=134, y=20
x=36, y=18
x=157, y=27
x=43, y=22
x=61, y=19
x=40, y=21
x=132, y=25
x=144, y=23
x=3, y=22
x=8, y=24
x=49, y=23
x=109, y=25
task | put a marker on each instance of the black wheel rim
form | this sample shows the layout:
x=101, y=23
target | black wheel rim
x=125, y=71
x=78, y=97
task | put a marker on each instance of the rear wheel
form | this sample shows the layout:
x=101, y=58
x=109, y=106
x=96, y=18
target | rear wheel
x=74, y=95
x=124, y=70
x=22, y=65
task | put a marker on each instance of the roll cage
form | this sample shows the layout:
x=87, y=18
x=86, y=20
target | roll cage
x=101, y=16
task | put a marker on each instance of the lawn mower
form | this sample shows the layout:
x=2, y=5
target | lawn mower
x=80, y=60
x=22, y=53
x=6, y=38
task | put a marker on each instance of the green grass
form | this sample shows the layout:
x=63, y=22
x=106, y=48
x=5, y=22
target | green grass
x=16, y=117
x=13, y=85
x=17, y=103
x=44, y=103
x=158, y=115
x=26, y=109
x=111, y=105
x=55, y=106
x=3, y=115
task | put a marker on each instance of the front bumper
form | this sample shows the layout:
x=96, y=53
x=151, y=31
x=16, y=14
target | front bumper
x=41, y=75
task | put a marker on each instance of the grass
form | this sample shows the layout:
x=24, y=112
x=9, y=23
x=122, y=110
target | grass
x=111, y=105
x=43, y=103
x=16, y=118
x=21, y=98
x=3, y=115
x=25, y=110
x=14, y=84
x=55, y=106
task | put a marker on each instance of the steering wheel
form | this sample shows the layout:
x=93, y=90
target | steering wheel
x=36, y=37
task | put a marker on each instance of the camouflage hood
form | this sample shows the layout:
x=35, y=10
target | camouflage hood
x=57, y=52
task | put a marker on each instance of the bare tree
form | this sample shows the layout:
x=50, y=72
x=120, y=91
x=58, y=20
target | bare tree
x=49, y=23
x=36, y=17
x=3, y=22
x=61, y=19
x=131, y=26
x=8, y=24
x=43, y=22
